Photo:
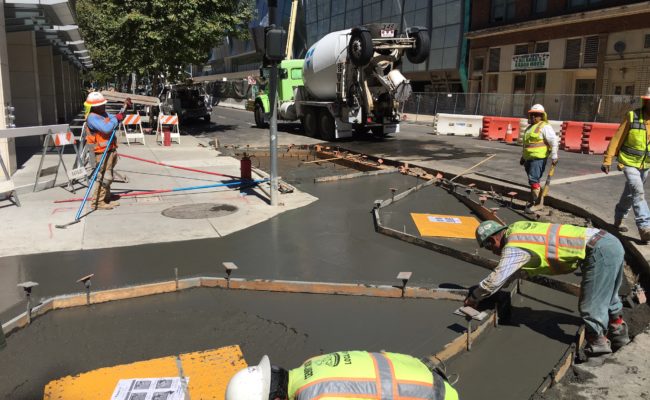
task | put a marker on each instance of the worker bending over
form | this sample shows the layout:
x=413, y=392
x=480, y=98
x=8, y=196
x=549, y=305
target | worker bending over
x=630, y=146
x=100, y=126
x=552, y=249
x=343, y=375
x=539, y=142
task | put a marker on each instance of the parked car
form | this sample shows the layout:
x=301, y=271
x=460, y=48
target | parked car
x=186, y=101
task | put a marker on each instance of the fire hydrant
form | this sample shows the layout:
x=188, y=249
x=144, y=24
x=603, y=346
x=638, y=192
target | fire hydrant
x=245, y=167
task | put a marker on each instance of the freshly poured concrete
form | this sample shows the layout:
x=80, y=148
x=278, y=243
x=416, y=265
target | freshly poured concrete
x=288, y=327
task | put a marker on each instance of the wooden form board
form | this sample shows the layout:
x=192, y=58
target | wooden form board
x=208, y=372
x=135, y=98
x=450, y=226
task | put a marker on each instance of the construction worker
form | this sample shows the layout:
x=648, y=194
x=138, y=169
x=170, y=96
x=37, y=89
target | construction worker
x=551, y=249
x=343, y=375
x=100, y=126
x=630, y=146
x=539, y=142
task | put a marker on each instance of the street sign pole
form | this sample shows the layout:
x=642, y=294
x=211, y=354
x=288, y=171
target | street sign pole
x=273, y=124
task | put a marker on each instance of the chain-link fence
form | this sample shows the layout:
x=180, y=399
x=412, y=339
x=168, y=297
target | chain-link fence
x=561, y=107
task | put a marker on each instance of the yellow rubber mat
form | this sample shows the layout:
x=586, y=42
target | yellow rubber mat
x=208, y=372
x=450, y=226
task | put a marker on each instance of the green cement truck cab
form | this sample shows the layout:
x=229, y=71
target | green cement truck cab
x=290, y=77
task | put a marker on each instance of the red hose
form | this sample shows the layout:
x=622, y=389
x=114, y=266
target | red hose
x=177, y=167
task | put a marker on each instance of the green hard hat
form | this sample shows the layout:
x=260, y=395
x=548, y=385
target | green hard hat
x=487, y=229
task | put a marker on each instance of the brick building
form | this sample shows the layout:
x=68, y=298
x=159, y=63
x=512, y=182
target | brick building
x=583, y=58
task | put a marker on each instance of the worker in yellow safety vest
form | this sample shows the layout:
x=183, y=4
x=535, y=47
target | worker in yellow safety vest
x=539, y=142
x=551, y=249
x=344, y=375
x=630, y=146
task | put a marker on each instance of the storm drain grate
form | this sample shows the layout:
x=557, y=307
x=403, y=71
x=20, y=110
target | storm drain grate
x=199, y=211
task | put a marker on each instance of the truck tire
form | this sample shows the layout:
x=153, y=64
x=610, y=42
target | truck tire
x=327, y=125
x=360, y=48
x=259, y=116
x=378, y=132
x=422, y=43
x=310, y=122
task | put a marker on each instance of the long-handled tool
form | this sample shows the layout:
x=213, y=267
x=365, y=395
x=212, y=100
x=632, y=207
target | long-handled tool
x=92, y=182
x=472, y=167
x=547, y=187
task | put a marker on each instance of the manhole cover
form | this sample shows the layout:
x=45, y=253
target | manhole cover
x=198, y=211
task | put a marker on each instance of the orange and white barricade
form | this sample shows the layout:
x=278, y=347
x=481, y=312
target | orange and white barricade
x=131, y=128
x=175, y=129
x=56, y=142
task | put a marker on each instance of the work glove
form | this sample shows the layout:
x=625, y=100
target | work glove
x=119, y=117
x=470, y=300
x=521, y=161
x=605, y=168
x=554, y=161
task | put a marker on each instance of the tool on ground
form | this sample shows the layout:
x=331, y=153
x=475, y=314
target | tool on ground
x=229, y=267
x=27, y=287
x=77, y=217
x=547, y=186
x=176, y=166
x=180, y=189
x=86, y=281
x=404, y=276
x=472, y=167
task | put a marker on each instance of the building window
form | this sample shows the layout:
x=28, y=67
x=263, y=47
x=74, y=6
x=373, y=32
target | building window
x=478, y=64
x=541, y=47
x=495, y=58
x=590, y=56
x=521, y=49
x=540, y=82
x=503, y=10
x=540, y=6
x=493, y=83
x=646, y=42
x=572, y=53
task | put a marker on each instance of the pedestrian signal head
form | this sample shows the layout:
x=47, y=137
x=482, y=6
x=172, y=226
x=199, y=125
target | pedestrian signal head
x=95, y=99
x=252, y=383
x=487, y=229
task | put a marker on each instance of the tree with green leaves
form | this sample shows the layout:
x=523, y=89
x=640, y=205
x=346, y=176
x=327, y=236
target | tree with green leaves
x=153, y=37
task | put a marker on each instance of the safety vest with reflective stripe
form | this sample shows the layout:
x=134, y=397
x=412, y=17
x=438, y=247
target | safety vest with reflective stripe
x=634, y=151
x=360, y=375
x=534, y=145
x=99, y=139
x=559, y=248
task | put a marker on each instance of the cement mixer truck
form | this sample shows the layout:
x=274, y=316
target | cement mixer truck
x=348, y=82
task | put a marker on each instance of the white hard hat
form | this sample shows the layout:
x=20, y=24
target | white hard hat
x=252, y=383
x=95, y=99
x=537, y=108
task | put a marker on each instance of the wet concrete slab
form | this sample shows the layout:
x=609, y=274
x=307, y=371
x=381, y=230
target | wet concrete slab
x=288, y=327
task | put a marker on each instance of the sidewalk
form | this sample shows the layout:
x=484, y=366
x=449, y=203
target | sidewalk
x=206, y=213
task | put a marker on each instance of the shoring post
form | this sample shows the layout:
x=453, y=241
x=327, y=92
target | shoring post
x=86, y=282
x=417, y=107
x=229, y=266
x=176, y=277
x=27, y=287
x=404, y=276
x=469, y=333
x=392, y=194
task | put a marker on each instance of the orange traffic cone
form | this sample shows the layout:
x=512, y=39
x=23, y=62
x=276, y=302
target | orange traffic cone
x=508, y=138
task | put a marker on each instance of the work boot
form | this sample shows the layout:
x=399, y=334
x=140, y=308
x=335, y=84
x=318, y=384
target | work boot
x=597, y=346
x=617, y=333
x=534, y=197
x=644, y=233
x=618, y=224
x=102, y=206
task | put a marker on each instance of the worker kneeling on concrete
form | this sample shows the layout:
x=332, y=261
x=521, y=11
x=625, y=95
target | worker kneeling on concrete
x=539, y=142
x=552, y=249
x=343, y=375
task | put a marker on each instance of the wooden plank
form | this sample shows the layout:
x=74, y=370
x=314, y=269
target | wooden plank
x=459, y=344
x=355, y=175
x=135, y=98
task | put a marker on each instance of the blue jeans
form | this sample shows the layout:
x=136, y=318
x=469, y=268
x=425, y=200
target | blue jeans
x=602, y=273
x=535, y=169
x=634, y=197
